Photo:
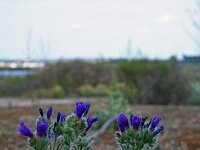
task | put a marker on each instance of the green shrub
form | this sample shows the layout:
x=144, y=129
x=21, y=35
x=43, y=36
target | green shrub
x=58, y=92
x=157, y=82
x=55, y=92
x=129, y=93
x=195, y=98
x=102, y=90
x=115, y=104
x=87, y=90
x=99, y=90
x=11, y=86
x=142, y=81
x=39, y=93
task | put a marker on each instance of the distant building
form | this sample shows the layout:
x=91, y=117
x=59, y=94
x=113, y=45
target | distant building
x=191, y=59
x=21, y=64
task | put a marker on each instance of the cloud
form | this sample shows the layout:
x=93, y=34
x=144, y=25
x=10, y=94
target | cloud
x=166, y=18
x=75, y=26
x=142, y=30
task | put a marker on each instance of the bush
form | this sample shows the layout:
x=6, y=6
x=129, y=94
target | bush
x=58, y=92
x=11, y=86
x=39, y=93
x=115, y=104
x=87, y=90
x=129, y=93
x=102, y=90
x=142, y=81
x=195, y=99
x=99, y=90
x=157, y=82
x=55, y=92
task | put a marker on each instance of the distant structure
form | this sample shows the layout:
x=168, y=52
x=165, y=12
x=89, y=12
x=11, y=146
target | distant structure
x=44, y=48
x=191, y=59
x=21, y=64
x=139, y=54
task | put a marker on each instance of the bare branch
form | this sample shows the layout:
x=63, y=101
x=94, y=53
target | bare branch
x=103, y=128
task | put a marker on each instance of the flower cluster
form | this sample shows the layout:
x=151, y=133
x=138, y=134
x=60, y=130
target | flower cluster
x=68, y=131
x=137, y=134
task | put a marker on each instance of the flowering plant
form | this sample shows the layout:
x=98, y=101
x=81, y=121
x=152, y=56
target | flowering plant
x=66, y=132
x=137, y=135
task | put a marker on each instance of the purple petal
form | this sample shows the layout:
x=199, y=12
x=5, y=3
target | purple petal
x=25, y=131
x=62, y=117
x=49, y=112
x=155, y=121
x=81, y=108
x=90, y=121
x=161, y=128
x=122, y=122
x=42, y=127
x=135, y=122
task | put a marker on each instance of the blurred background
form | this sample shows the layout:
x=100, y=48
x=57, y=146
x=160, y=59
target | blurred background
x=140, y=57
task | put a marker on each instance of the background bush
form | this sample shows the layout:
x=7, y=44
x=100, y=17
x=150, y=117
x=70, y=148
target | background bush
x=157, y=82
x=55, y=92
x=195, y=98
x=139, y=81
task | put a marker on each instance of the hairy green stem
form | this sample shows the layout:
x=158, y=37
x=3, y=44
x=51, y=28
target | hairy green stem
x=54, y=143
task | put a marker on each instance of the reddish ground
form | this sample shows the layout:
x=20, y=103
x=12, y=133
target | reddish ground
x=182, y=126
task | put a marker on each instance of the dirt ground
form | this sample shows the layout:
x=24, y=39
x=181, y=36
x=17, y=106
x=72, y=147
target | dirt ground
x=182, y=125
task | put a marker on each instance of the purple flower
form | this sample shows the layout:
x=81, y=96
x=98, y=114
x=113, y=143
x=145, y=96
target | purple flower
x=135, y=122
x=122, y=122
x=25, y=131
x=155, y=121
x=42, y=127
x=161, y=128
x=90, y=121
x=81, y=108
x=60, y=117
x=49, y=112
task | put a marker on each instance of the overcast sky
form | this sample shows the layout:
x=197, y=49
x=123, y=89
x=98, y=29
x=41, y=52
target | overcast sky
x=95, y=28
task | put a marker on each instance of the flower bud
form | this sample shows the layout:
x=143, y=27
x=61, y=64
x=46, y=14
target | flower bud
x=24, y=130
x=135, y=122
x=49, y=112
x=81, y=108
x=42, y=127
x=41, y=112
x=155, y=121
x=90, y=121
x=161, y=128
x=122, y=122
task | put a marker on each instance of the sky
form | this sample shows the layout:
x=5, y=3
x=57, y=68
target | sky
x=54, y=29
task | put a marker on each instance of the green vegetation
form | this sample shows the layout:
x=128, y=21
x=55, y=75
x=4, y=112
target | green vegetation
x=195, y=98
x=115, y=104
x=56, y=92
x=139, y=81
